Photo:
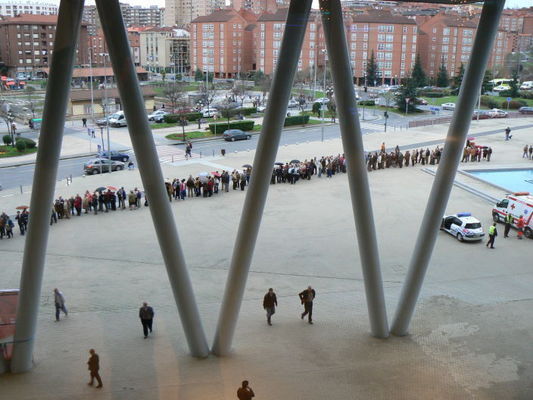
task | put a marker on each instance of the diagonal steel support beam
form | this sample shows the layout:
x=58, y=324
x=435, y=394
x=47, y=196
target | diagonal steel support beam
x=151, y=174
x=265, y=155
x=44, y=181
x=442, y=186
x=352, y=141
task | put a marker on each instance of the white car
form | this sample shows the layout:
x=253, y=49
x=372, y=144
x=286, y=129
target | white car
x=209, y=113
x=157, y=116
x=463, y=226
x=502, y=88
x=322, y=100
x=293, y=104
x=497, y=113
x=448, y=106
x=261, y=108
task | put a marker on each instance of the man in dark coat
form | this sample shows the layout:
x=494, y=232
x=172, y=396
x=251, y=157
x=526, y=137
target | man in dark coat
x=146, y=314
x=307, y=297
x=270, y=302
x=94, y=367
x=245, y=392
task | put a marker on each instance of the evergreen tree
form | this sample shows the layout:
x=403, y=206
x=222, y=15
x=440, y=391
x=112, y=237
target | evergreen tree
x=408, y=90
x=371, y=70
x=442, y=76
x=418, y=75
x=198, y=75
x=487, y=85
x=458, y=79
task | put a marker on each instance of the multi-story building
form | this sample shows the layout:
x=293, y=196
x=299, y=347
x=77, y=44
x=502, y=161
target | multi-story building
x=259, y=6
x=98, y=54
x=448, y=39
x=132, y=15
x=165, y=49
x=12, y=8
x=392, y=38
x=223, y=42
x=268, y=34
x=28, y=41
x=181, y=12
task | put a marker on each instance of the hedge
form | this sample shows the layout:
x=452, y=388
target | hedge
x=7, y=139
x=432, y=94
x=489, y=102
x=367, y=103
x=220, y=127
x=20, y=145
x=175, y=118
x=246, y=110
x=296, y=120
x=526, y=94
x=28, y=143
x=513, y=104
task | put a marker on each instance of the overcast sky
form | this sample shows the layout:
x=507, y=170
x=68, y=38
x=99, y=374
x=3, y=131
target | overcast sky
x=161, y=3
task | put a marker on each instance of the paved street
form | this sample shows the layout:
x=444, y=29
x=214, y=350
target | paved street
x=470, y=338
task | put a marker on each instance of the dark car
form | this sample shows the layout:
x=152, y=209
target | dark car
x=102, y=121
x=525, y=110
x=115, y=156
x=232, y=135
x=97, y=165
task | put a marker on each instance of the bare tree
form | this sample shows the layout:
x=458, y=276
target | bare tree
x=175, y=94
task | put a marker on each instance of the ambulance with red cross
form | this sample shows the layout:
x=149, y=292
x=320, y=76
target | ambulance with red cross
x=517, y=204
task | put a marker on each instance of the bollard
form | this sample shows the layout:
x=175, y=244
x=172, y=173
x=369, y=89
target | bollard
x=213, y=152
x=21, y=189
x=223, y=152
x=200, y=154
x=172, y=157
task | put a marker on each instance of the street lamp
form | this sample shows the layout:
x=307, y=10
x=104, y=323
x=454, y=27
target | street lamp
x=105, y=55
x=324, y=51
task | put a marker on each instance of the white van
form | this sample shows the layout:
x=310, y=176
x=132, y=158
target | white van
x=517, y=204
x=527, y=85
x=118, y=119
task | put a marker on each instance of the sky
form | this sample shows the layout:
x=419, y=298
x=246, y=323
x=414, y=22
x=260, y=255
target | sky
x=161, y=3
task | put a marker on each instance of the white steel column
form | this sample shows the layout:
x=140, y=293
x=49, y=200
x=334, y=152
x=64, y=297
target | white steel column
x=151, y=174
x=352, y=141
x=44, y=181
x=451, y=156
x=265, y=155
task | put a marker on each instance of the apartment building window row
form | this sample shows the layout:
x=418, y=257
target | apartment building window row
x=386, y=28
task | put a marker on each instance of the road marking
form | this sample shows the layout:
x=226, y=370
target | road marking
x=8, y=195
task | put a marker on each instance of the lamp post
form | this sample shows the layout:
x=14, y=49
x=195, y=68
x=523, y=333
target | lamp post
x=104, y=55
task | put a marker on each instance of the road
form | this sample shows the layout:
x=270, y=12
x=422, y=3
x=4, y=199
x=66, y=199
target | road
x=13, y=177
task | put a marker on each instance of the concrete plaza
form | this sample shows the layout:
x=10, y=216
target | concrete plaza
x=470, y=337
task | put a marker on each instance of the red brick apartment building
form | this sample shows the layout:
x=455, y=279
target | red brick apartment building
x=223, y=42
x=448, y=39
x=28, y=40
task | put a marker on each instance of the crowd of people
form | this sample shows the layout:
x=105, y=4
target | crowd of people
x=109, y=198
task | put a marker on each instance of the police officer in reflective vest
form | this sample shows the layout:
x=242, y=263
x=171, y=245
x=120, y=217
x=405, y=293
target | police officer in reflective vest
x=508, y=223
x=492, y=235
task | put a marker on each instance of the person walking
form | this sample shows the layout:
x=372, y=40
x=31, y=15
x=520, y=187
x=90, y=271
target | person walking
x=59, y=301
x=306, y=297
x=146, y=314
x=270, y=302
x=94, y=367
x=84, y=122
x=525, y=154
x=508, y=133
x=520, y=224
x=493, y=232
x=245, y=392
x=508, y=223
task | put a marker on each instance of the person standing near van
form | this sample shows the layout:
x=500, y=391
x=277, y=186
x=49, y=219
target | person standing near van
x=493, y=232
x=508, y=223
x=520, y=225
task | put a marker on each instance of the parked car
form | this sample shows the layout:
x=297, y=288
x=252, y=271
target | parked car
x=115, y=156
x=261, y=108
x=501, y=88
x=482, y=114
x=497, y=113
x=322, y=100
x=102, y=121
x=448, y=106
x=232, y=135
x=463, y=226
x=293, y=104
x=525, y=110
x=212, y=112
x=157, y=116
x=421, y=101
x=97, y=165
x=118, y=119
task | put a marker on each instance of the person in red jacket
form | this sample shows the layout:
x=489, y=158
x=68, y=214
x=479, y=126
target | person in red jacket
x=520, y=225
